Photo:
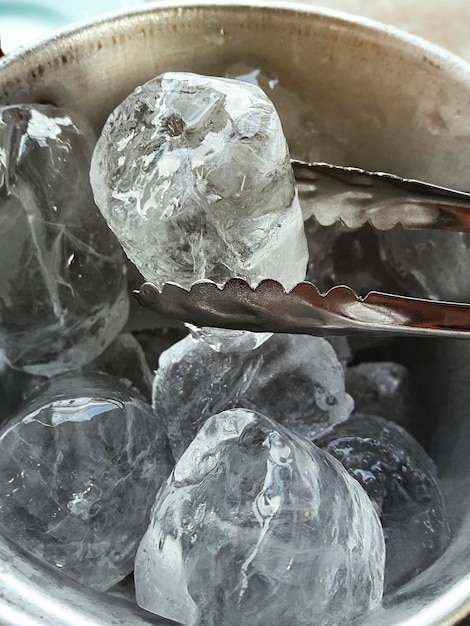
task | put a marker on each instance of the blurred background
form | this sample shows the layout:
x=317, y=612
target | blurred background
x=442, y=22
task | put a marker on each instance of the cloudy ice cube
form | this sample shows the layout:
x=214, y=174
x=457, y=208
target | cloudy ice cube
x=193, y=175
x=295, y=379
x=80, y=465
x=258, y=526
x=428, y=263
x=401, y=480
x=63, y=292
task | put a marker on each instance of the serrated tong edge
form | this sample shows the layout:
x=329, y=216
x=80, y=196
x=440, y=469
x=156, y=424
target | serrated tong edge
x=354, y=196
x=304, y=310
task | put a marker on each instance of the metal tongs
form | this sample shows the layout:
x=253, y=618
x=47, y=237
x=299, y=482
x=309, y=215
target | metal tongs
x=353, y=197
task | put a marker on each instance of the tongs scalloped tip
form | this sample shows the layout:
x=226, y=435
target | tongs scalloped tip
x=304, y=310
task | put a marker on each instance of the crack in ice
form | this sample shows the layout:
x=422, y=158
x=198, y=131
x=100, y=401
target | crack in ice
x=270, y=499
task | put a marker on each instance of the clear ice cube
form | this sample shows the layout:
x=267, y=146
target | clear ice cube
x=124, y=359
x=339, y=256
x=193, y=175
x=63, y=292
x=80, y=465
x=300, y=384
x=381, y=388
x=225, y=340
x=193, y=382
x=294, y=379
x=154, y=342
x=257, y=526
x=401, y=480
x=428, y=263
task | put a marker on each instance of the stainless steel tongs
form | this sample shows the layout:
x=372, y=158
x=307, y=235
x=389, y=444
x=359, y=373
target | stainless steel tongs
x=330, y=194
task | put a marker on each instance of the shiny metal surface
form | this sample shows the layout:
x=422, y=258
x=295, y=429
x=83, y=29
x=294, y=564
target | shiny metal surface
x=32, y=594
x=304, y=310
x=398, y=104
x=354, y=196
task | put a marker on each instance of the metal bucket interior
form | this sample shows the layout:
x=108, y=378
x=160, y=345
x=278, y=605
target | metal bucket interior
x=395, y=103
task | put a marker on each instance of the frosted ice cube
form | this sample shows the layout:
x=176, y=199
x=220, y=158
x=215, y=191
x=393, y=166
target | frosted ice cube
x=193, y=175
x=401, y=480
x=257, y=526
x=80, y=465
x=294, y=379
x=63, y=292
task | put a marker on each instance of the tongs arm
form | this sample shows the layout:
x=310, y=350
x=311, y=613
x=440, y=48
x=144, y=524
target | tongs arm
x=353, y=196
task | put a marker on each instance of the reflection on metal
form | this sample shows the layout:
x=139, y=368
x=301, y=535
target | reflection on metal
x=353, y=196
x=305, y=310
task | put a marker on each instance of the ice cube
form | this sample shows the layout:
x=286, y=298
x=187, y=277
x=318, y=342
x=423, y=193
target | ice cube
x=154, y=342
x=193, y=175
x=307, y=139
x=225, y=340
x=295, y=379
x=257, y=526
x=381, y=388
x=124, y=359
x=63, y=293
x=80, y=465
x=428, y=263
x=300, y=383
x=342, y=257
x=193, y=382
x=321, y=239
x=401, y=480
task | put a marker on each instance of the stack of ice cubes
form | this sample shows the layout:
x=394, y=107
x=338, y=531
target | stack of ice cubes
x=256, y=523
x=63, y=292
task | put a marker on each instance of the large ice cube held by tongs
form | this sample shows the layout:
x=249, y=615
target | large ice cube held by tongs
x=353, y=197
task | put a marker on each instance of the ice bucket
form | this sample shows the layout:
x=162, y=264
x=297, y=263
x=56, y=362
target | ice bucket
x=393, y=103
